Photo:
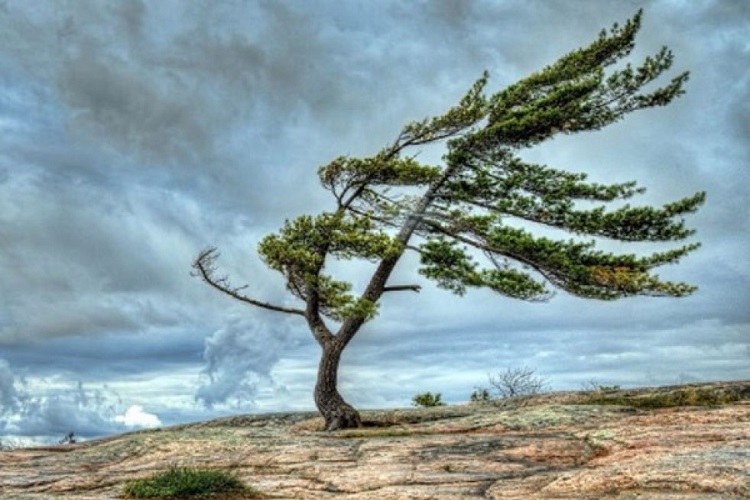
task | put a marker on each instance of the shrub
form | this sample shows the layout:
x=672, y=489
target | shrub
x=186, y=482
x=427, y=399
x=608, y=389
x=596, y=387
x=515, y=382
x=480, y=395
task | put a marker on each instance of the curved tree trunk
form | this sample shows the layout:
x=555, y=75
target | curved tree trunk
x=338, y=414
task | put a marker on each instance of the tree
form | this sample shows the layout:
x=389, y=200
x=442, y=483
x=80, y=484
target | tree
x=461, y=217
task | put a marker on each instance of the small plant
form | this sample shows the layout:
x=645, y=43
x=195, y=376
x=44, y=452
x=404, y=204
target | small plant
x=515, y=382
x=187, y=482
x=596, y=387
x=608, y=389
x=427, y=399
x=480, y=395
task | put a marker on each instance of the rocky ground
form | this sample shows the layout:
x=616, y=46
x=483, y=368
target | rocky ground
x=547, y=447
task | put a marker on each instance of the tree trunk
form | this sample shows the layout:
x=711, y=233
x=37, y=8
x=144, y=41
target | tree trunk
x=338, y=414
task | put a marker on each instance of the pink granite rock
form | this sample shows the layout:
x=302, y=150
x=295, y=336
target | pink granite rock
x=550, y=447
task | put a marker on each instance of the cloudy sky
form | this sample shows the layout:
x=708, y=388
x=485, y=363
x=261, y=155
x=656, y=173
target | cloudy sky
x=136, y=133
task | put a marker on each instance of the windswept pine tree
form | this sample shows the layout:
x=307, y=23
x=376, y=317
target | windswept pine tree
x=468, y=218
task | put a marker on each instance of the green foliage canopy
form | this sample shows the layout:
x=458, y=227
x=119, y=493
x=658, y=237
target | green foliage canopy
x=466, y=218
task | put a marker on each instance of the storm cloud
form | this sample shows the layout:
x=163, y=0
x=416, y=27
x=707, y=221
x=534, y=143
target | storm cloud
x=134, y=134
x=240, y=356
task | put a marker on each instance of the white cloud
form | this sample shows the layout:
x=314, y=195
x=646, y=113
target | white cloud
x=45, y=410
x=56, y=409
x=136, y=416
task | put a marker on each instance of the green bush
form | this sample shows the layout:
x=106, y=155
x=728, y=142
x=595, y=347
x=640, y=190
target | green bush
x=186, y=482
x=427, y=399
x=480, y=395
x=607, y=389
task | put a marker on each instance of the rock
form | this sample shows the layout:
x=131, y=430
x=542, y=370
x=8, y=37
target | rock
x=547, y=447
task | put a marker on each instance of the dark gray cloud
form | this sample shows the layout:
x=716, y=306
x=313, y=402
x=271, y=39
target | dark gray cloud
x=98, y=264
x=136, y=133
x=144, y=352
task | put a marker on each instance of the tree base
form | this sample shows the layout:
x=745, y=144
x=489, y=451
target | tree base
x=341, y=417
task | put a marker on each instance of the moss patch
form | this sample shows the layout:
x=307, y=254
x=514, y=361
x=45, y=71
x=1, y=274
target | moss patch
x=186, y=482
x=688, y=396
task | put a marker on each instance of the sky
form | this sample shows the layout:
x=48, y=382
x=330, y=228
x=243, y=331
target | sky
x=134, y=134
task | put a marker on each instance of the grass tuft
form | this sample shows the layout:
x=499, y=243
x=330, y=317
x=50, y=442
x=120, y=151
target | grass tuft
x=187, y=482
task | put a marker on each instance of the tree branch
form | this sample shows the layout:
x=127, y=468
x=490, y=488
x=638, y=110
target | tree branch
x=377, y=285
x=205, y=269
x=490, y=250
x=401, y=288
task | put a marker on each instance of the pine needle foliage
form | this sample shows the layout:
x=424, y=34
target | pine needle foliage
x=473, y=199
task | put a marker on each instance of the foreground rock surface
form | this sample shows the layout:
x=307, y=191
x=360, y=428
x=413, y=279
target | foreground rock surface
x=548, y=447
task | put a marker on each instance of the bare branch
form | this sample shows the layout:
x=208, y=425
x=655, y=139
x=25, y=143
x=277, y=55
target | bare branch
x=205, y=268
x=516, y=382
